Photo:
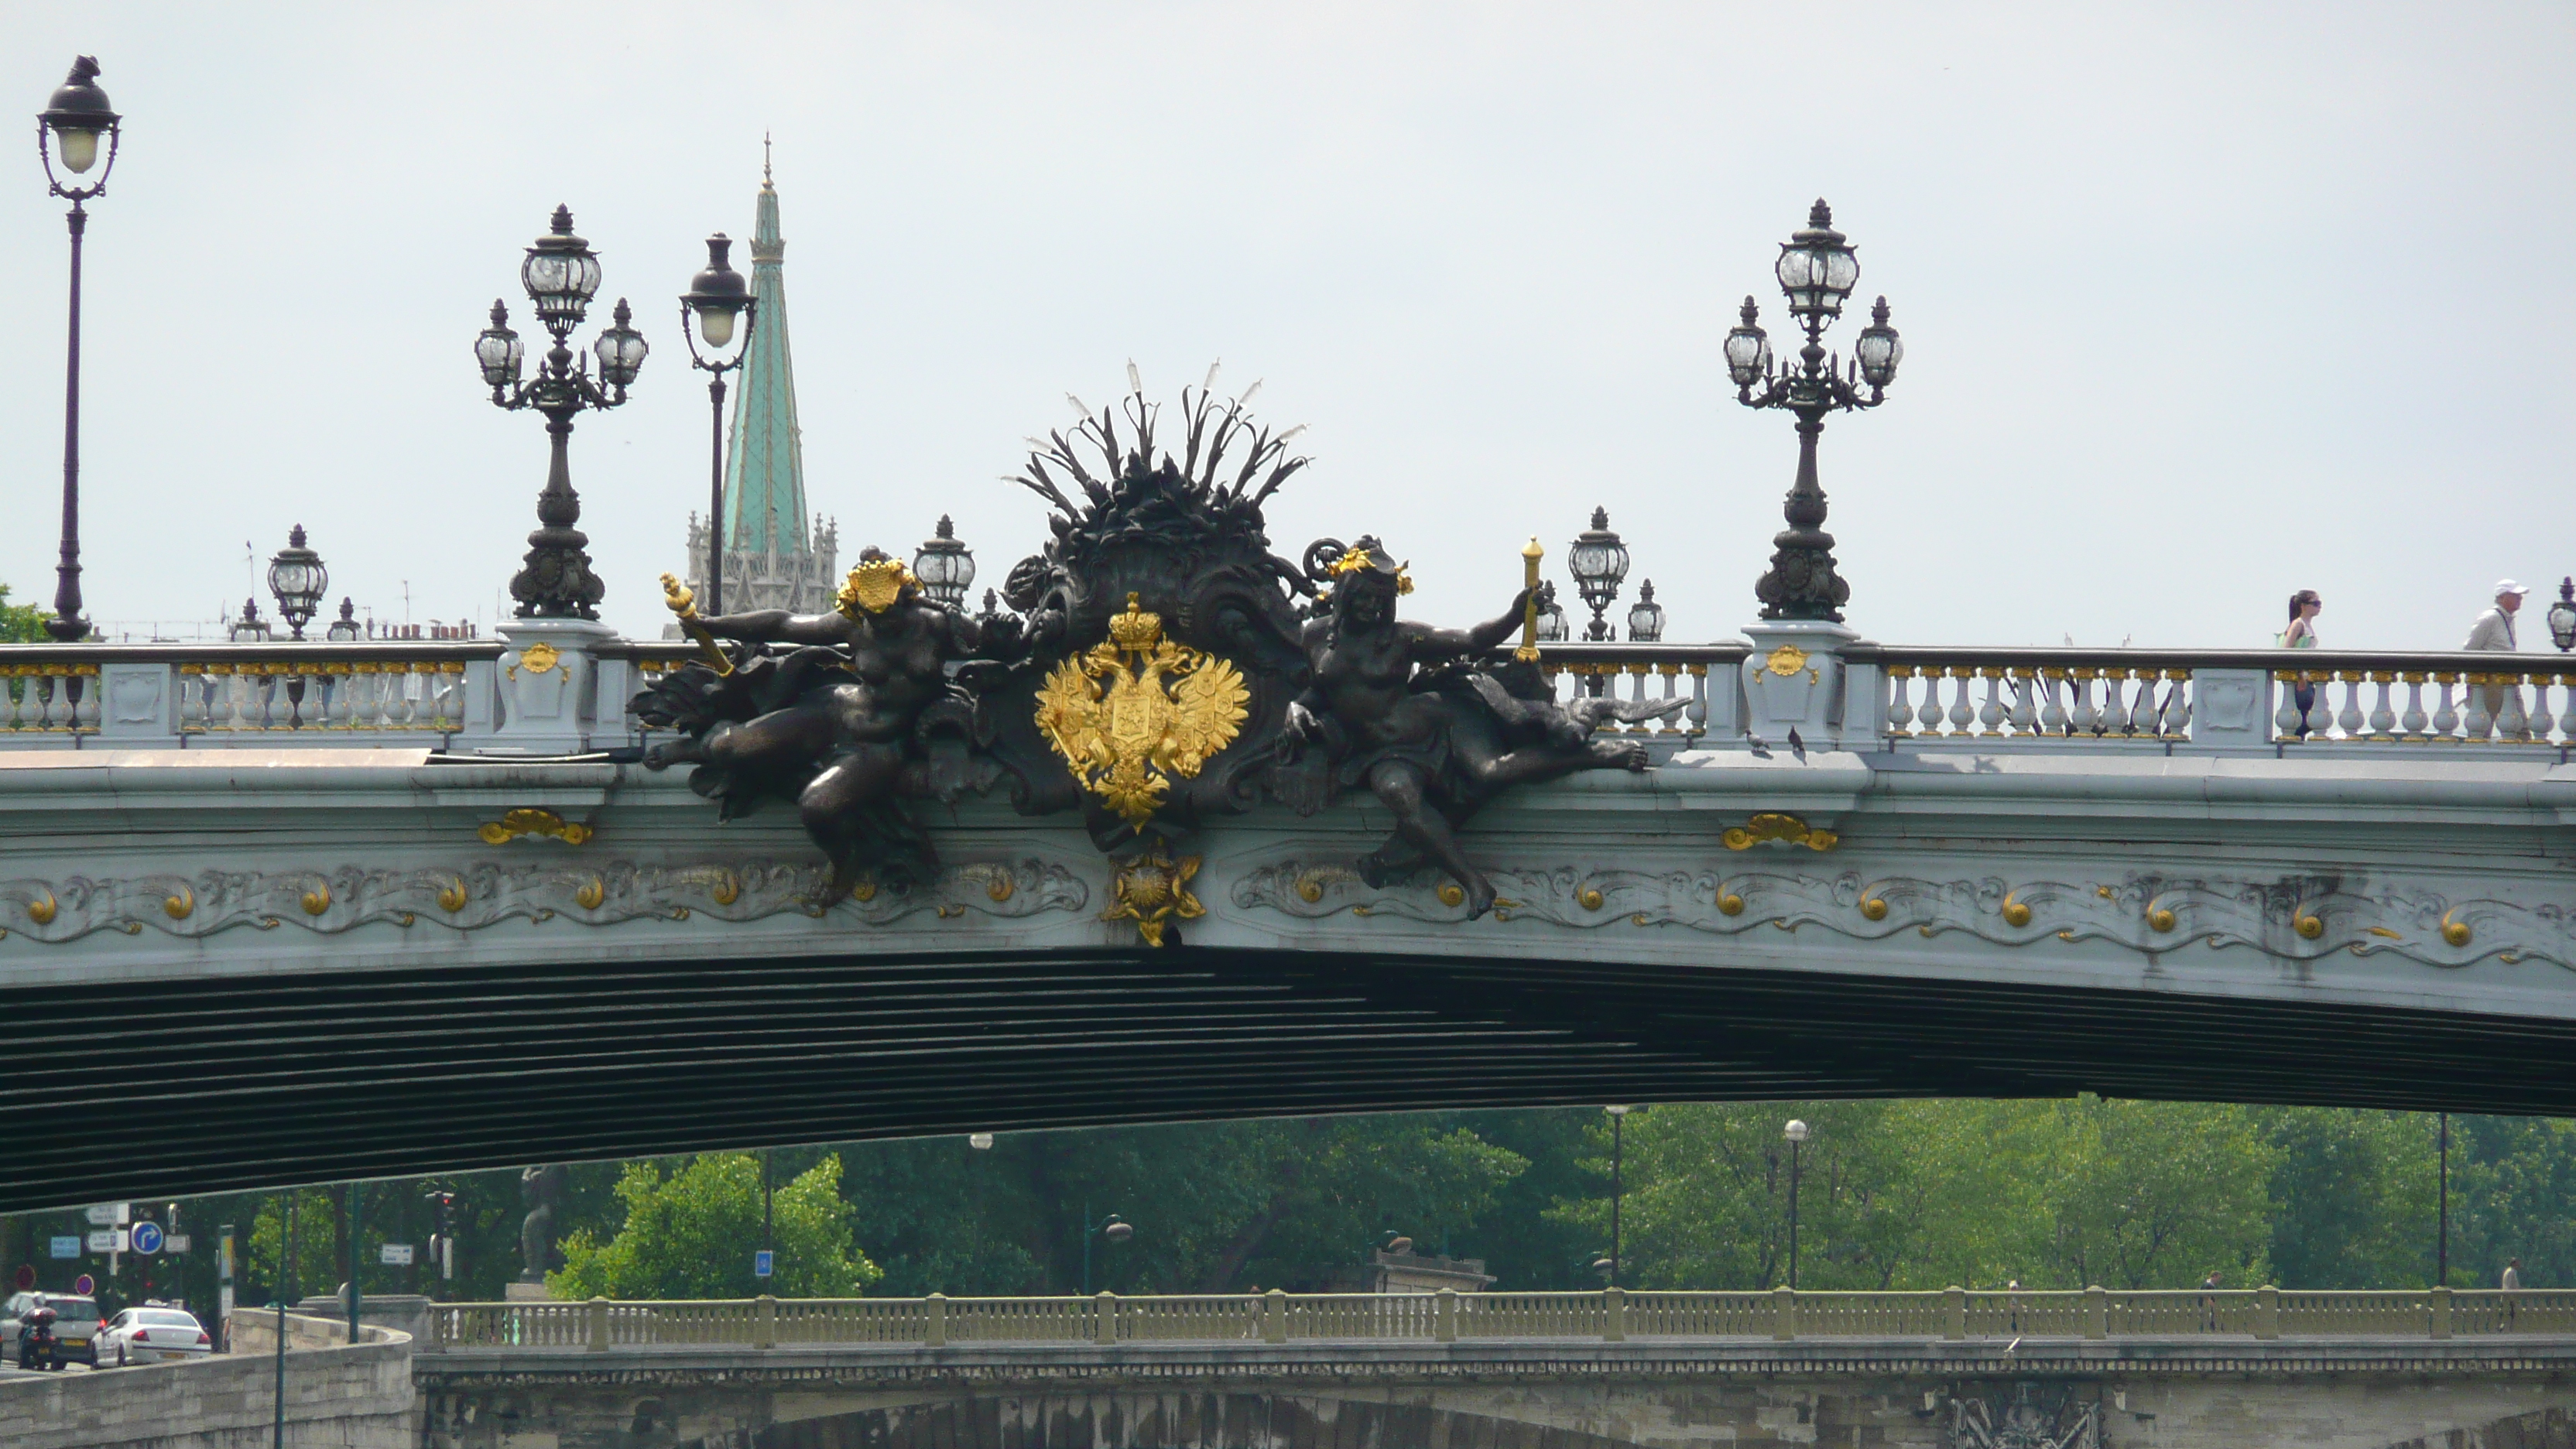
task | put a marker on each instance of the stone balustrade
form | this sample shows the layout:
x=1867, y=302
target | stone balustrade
x=491, y=696
x=1613, y=1314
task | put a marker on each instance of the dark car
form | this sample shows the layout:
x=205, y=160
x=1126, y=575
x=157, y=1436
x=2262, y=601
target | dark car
x=77, y=1323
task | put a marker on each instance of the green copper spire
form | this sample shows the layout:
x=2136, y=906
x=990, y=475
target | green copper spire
x=765, y=467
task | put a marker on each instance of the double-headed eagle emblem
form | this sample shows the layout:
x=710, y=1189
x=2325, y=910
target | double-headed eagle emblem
x=1158, y=712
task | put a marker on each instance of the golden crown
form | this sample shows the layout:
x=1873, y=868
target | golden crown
x=1135, y=629
x=875, y=585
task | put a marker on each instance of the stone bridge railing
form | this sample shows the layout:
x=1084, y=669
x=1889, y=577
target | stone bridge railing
x=493, y=697
x=1612, y=1315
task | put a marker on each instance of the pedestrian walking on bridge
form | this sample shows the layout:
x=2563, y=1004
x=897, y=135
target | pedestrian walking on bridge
x=2302, y=634
x=2493, y=633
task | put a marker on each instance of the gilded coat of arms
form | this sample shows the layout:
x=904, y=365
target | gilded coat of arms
x=1137, y=712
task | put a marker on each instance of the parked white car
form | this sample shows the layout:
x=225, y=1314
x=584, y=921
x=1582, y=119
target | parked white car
x=152, y=1335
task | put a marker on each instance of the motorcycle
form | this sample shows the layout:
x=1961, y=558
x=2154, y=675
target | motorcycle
x=36, y=1346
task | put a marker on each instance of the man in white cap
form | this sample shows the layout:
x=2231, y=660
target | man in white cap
x=2494, y=632
x=2494, y=628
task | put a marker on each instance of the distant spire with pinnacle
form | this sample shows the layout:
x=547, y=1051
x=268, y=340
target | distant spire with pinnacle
x=765, y=466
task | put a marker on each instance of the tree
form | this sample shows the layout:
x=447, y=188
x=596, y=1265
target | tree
x=21, y=623
x=692, y=1234
x=2353, y=1196
x=1217, y=1207
x=1925, y=1194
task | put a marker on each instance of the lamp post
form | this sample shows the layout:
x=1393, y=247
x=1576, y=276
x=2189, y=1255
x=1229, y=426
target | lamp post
x=1817, y=270
x=1796, y=1132
x=945, y=567
x=1646, y=617
x=345, y=629
x=1113, y=1227
x=443, y=1247
x=67, y=130
x=561, y=274
x=2562, y=616
x=2442, y=1230
x=714, y=297
x=1618, y=1122
x=297, y=578
x=1551, y=627
x=1598, y=561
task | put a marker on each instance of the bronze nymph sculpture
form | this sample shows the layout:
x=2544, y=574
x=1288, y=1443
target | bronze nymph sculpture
x=839, y=723
x=1411, y=712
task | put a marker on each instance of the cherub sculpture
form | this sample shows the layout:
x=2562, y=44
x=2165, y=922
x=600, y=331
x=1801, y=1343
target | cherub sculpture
x=838, y=723
x=1412, y=712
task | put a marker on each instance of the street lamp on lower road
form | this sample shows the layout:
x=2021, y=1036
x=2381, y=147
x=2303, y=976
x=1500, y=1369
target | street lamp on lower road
x=1796, y=1132
x=1113, y=1227
x=1618, y=1122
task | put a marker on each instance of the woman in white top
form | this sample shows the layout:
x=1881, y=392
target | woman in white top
x=2302, y=634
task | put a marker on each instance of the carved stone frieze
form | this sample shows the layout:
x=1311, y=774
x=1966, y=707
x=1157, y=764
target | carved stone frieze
x=485, y=893
x=2299, y=918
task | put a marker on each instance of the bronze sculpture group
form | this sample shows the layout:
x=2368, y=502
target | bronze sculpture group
x=1157, y=667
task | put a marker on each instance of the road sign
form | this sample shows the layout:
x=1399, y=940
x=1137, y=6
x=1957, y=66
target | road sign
x=84, y=1285
x=147, y=1238
x=26, y=1276
x=396, y=1254
x=175, y=1243
x=104, y=1240
x=111, y=1214
x=67, y=1245
x=760, y=1264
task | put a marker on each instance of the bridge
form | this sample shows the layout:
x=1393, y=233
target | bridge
x=386, y=908
x=1949, y=1370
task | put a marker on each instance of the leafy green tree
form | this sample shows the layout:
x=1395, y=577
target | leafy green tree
x=2353, y=1197
x=2513, y=1195
x=692, y=1234
x=1919, y=1195
x=21, y=623
x=1216, y=1206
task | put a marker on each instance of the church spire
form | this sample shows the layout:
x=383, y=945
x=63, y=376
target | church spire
x=764, y=495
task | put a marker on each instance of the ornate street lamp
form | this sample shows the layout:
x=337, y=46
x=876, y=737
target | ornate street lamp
x=1817, y=270
x=1618, y=1126
x=1598, y=561
x=1551, y=619
x=346, y=629
x=715, y=298
x=1796, y=1132
x=1113, y=1227
x=945, y=567
x=297, y=579
x=250, y=628
x=561, y=275
x=2562, y=617
x=67, y=131
x=1646, y=617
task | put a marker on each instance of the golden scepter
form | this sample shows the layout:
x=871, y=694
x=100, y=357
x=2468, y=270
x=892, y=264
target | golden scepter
x=1528, y=652
x=685, y=604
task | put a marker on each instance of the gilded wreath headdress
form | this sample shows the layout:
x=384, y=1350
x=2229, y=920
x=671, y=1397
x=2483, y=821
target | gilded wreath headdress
x=875, y=583
x=1362, y=560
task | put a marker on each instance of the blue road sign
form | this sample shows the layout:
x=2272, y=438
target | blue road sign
x=760, y=1264
x=147, y=1238
x=84, y=1285
x=67, y=1245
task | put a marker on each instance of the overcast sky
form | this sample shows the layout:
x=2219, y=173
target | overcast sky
x=2201, y=304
